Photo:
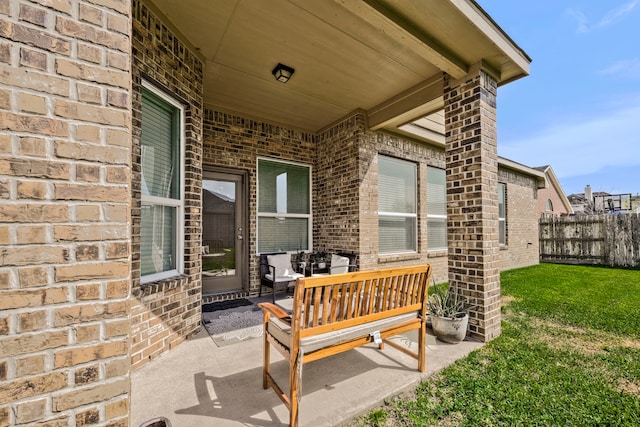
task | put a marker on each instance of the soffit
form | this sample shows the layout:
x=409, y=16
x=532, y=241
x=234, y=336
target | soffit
x=348, y=55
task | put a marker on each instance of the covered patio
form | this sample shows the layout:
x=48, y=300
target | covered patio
x=115, y=112
x=201, y=384
x=410, y=80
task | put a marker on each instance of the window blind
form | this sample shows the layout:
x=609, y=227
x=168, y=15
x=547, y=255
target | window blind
x=502, y=214
x=436, y=208
x=160, y=239
x=397, y=213
x=160, y=168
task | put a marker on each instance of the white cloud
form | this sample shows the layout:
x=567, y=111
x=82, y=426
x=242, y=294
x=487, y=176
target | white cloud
x=608, y=18
x=613, y=15
x=583, y=22
x=579, y=148
x=627, y=67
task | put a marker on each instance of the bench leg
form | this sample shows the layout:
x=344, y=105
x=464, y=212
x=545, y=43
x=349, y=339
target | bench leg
x=295, y=387
x=266, y=363
x=421, y=346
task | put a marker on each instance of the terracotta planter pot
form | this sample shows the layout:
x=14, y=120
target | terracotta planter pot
x=450, y=330
x=157, y=422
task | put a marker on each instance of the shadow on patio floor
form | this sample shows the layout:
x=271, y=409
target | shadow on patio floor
x=199, y=384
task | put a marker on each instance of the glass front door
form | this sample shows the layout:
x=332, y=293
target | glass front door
x=223, y=218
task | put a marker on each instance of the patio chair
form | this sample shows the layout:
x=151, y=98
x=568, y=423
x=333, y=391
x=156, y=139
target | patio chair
x=276, y=269
x=340, y=262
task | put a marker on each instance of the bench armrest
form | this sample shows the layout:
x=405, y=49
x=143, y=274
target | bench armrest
x=269, y=308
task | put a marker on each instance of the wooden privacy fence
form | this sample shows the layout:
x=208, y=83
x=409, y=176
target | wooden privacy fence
x=607, y=239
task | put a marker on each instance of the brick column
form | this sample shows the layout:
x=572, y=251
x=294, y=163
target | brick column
x=65, y=138
x=472, y=197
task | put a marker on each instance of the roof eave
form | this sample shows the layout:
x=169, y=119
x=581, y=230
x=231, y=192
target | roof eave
x=518, y=167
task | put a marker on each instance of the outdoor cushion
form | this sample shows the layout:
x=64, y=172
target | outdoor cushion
x=339, y=264
x=284, y=271
x=288, y=278
x=281, y=331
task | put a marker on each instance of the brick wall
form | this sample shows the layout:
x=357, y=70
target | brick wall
x=64, y=215
x=522, y=246
x=235, y=142
x=374, y=144
x=345, y=195
x=165, y=313
x=337, y=181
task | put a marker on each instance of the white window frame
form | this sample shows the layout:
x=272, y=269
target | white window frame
x=308, y=216
x=162, y=201
x=413, y=215
x=431, y=216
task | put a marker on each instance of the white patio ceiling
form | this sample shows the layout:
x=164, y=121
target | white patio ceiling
x=384, y=57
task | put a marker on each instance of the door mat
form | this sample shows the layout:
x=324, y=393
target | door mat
x=232, y=321
x=235, y=327
x=241, y=320
x=225, y=305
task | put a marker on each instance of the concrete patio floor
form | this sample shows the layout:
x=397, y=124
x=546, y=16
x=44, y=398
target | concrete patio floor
x=199, y=384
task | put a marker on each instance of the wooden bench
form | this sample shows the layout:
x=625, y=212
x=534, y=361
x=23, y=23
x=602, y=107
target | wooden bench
x=339, y=312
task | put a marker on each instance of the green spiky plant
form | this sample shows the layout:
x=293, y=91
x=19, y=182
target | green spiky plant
x=447, y=302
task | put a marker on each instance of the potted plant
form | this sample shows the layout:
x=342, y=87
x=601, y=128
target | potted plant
x=320, y=258
x=301, y=259
x=449, y=314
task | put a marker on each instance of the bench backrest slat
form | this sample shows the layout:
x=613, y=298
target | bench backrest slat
x=337, y=301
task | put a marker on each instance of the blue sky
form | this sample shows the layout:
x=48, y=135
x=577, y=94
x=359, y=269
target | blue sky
x=579, y=109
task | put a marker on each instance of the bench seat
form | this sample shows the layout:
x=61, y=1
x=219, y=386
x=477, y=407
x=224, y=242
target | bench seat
x=281, y=331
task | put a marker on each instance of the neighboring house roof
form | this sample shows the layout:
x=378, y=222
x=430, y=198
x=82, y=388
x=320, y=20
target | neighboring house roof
x=580, y=203
x=519, y=167
x=384, y=57
x=580, y=199
x=553, y=180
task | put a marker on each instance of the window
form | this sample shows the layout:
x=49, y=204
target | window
x=436, y=209
x=397, y=212
x=162, y=207
x=502, y=214
x=549, y=206
x=284, y=207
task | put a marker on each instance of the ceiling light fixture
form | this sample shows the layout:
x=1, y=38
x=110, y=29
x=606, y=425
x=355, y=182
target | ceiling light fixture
x=282, y=73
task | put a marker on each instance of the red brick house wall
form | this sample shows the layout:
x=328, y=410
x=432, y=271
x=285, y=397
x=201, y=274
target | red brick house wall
x=550, y=193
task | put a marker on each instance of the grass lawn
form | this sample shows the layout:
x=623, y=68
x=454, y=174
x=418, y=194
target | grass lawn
x=569, y=355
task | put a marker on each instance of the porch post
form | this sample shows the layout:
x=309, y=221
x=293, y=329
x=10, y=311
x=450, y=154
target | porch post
x=472, y=196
